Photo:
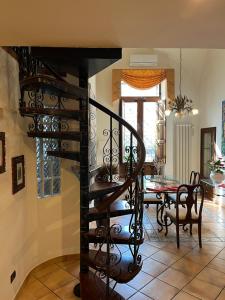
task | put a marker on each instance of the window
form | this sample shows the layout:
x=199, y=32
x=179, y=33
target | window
x=129, y=91
x=143, y=110
x=48, y=167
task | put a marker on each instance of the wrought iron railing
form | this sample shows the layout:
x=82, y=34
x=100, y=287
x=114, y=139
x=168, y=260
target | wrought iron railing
x=105, y=261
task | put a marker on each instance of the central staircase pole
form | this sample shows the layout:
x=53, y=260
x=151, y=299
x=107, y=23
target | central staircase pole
x=84, y=175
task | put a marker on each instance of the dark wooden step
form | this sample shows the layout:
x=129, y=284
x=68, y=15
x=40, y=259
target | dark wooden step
x=99, y=189
x=62, y=113
x=94, y=171
x=74, y=60
x=117, y=208
x=62, y=135
x=72, y=155
x=53, y=86
x=122, y=268
x=123, y=237
x=93, y=288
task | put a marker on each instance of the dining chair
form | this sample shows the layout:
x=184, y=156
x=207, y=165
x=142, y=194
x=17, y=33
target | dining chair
x=151, y=198
x=193, y=180
x=190, y=213
x=154, y=199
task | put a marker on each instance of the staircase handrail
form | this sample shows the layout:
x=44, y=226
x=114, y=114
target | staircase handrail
x=110, y=199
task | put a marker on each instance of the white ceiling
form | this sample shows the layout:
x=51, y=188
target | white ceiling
x=113, y=23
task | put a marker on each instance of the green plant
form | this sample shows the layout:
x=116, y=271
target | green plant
x=104, y=172
x=216, y=166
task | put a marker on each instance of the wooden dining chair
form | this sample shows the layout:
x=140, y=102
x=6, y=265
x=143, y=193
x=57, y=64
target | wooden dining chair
x=154, y=199
x=193, y=179
x=151, y=198
x=190, y=213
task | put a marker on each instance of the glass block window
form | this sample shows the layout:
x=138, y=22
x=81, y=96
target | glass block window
x=48, y=170
x=48, y=167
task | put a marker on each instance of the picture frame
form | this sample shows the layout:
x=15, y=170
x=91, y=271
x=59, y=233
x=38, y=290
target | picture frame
x=2, y=152
x=18, y=173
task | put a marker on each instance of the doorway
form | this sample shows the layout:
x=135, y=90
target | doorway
x=208, y=141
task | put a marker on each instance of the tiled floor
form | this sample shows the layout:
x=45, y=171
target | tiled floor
x=168, y=273
x=53, y=280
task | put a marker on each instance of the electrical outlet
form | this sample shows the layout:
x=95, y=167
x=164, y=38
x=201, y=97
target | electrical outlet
x=13, y=276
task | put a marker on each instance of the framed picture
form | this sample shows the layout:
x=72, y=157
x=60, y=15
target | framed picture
x=18, y=174
x=2, y=152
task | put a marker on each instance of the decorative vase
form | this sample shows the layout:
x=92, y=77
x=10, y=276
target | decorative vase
x=217, y=178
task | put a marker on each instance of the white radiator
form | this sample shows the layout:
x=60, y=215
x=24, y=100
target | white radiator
x=182, y=145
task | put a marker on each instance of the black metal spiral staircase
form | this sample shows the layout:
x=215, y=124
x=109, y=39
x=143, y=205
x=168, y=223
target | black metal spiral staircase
x=43, y=79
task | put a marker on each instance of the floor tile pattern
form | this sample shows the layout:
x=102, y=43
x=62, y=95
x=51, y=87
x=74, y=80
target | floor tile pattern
x=188, y=273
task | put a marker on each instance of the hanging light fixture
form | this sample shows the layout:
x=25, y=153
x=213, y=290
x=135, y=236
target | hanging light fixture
x=181, y=104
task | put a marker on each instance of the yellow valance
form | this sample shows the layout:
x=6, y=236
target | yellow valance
x=143, y=79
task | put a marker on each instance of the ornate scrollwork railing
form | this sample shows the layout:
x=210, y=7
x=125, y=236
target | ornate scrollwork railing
x=139, y=150
x=106, y=262
x=131, y=186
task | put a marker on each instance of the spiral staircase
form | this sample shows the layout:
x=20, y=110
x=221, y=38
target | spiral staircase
x=45, y=74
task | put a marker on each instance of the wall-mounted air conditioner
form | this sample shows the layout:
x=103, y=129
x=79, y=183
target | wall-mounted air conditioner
x=143, y=60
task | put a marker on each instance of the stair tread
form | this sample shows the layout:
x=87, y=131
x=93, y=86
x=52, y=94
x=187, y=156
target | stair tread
x=117, y=208
x=64, y=113
x=73, y=60
x=94, y=170
x=94, y=288
x=53, y=86
x=118, y=237
x=73, y=155
x=98, y=189
x=120, y=269
x=66, y=135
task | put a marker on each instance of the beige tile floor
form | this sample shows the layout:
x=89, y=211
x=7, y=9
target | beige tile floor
x=168, y=273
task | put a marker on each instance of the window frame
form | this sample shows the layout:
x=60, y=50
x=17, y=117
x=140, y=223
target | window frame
x=140, y=100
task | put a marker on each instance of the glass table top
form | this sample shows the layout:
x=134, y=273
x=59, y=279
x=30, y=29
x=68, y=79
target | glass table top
x=162, y=183
x=163, y=180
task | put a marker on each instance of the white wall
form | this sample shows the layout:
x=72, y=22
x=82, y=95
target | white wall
x=31, y=230
x=212, y=92
x=34, y=230
x=167, y=58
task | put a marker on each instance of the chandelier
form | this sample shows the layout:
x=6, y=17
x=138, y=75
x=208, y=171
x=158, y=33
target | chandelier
x=181, y=105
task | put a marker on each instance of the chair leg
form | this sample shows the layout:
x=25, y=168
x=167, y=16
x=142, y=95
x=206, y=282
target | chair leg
x=165, y=221
x=157, y=214
x=177, y=234
x=161, y=213
x=200, y=234
x=190, y=228
x=196, y=207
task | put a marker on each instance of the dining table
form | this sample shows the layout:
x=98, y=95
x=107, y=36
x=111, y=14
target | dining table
x=162, y=187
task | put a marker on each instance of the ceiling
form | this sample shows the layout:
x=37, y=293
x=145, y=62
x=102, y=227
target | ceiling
x=113, y=23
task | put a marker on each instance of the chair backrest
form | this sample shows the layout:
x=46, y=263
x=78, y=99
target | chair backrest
x=194, y=178
x=192, y=194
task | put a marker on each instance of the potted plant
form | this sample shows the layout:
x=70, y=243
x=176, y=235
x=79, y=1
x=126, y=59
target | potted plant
x=158, y=164
x=217, y=170
x=104, y=173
